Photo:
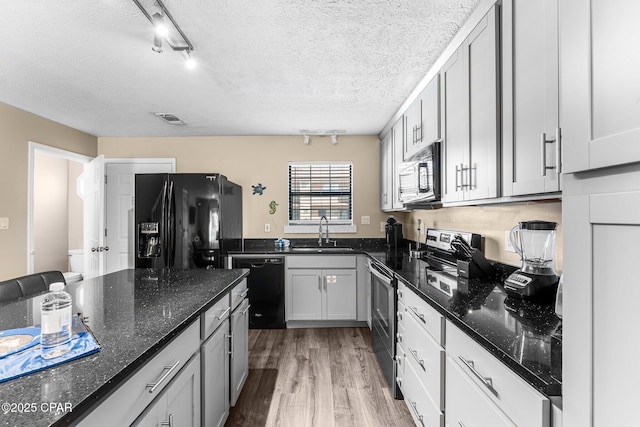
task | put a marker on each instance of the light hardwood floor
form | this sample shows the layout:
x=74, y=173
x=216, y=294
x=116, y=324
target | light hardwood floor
x=315, y=377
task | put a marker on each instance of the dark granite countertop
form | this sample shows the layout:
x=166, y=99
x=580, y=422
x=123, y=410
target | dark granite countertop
x=523, y=335
x=132, y=313
x=341, y=247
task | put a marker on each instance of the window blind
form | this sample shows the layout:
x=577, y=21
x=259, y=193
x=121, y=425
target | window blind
x=320, y=189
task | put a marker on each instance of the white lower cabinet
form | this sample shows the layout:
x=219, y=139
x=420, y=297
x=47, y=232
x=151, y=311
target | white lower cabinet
x=420, y=358
x=179, y=402
x=239, y=349
x=321, y=287
x=467, y=404
x=215, y=377
x=502, y=389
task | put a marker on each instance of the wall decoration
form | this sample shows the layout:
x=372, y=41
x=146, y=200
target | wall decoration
x=272, y=207
x=258, y=189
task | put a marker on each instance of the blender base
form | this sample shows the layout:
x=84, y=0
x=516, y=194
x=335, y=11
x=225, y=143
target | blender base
x=524, y=285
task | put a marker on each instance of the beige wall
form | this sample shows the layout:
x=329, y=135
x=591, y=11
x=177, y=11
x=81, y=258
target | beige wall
x=17, y=128
x=251, y=160
x=76, y=207
x=50, y=213
x=490, y=221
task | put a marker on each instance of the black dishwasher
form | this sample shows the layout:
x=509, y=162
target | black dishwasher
x=266, y=290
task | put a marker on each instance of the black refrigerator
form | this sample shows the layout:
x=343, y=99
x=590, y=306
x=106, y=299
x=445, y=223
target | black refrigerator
x=186, y=220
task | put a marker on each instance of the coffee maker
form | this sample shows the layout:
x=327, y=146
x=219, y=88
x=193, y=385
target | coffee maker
x=536, y=245
x=393, y=233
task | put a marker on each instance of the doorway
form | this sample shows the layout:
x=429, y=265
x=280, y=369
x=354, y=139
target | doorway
x=55, y=209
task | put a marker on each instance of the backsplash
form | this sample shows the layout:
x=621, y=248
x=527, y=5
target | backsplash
x=491, y=221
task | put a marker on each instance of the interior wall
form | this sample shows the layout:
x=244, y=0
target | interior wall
x=17, y=128
x=76, y=207
x=50, y=213
x=492, y=222
x=252, y=160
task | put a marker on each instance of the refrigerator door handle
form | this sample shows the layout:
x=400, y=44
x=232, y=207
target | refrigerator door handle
x=171, y=227
x=163, y=224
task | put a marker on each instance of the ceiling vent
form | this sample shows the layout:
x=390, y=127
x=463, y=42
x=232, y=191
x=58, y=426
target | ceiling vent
x=172, y=119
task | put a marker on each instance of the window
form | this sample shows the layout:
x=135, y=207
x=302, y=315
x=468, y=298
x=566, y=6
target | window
x=318, y=189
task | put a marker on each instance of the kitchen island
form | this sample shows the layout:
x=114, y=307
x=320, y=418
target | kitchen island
x=134, y=314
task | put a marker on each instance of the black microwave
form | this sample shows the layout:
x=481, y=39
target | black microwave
x=419, y=177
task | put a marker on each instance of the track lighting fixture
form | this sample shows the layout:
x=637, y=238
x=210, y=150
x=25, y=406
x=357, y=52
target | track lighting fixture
x=321, y=132
x=167, y=30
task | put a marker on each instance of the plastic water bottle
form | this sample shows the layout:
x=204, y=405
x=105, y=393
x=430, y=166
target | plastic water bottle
x=55, y=315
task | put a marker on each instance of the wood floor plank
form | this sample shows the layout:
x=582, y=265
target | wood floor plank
x=315, y=377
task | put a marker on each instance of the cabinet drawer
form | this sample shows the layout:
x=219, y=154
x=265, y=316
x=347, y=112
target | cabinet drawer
x=130, y=400
x=238, y=293
x=427, y=317
x=213, y=317
x=518, y=400
x=321, y=261
x=467, y=405
x=421, y=407
x=427, y=358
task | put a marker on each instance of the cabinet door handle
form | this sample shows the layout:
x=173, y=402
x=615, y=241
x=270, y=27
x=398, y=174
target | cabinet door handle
x=246, y=309
x=231, y=350
x=320, y=283
x=168, y=423
x=167, y=371
x=485, y=380
x=420, y=361
x=224, y=313
x=458, y=170
x=414, y=406
x=543, y=151
x=558, y=152
x=419, y=133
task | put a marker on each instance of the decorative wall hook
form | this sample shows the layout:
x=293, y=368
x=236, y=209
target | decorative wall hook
x=258, y=189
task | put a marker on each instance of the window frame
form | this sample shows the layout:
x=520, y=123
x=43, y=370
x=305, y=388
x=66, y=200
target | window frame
x=311, y=226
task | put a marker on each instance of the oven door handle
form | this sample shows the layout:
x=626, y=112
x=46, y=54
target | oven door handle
x=383, y=277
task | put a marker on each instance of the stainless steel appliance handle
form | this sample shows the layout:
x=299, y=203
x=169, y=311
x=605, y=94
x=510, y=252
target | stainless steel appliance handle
x=380, y=275
x=485, y=380
x=171, y=229
x=164, y=224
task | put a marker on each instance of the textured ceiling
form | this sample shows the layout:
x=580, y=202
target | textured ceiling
x=268, y=67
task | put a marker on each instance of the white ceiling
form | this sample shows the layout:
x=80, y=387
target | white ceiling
x=267, y=67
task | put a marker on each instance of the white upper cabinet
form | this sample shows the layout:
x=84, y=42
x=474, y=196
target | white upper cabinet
x=386, y=172
x=470, y=119
x=398, y=157
x=599, y=84
x=531, y=149
x=423, y=119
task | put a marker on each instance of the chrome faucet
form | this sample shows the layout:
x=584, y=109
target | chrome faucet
x=326, y=221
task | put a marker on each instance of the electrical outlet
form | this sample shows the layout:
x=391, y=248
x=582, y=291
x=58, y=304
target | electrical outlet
x=4, y=223
x=267, y=228
x=365, y=219
x=508, y=247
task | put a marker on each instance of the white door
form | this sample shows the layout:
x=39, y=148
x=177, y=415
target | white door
x=120, y=215
x=93, y=196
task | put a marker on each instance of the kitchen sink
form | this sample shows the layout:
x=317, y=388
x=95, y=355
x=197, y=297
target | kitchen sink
x=321, y=249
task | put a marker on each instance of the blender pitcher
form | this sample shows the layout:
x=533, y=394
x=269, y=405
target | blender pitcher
x=536, y=245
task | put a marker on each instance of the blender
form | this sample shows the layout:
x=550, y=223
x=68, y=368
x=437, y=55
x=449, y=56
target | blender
x=536, y=245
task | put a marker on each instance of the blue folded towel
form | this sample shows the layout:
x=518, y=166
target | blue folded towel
x=27, y=359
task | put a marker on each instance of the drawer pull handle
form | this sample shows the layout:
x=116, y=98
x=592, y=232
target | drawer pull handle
x=399, y=380
x=414, y=406
x=420, y=315
x=420, y=361
x=246, y=309
x=400, y=293
x=244, y=293
x=224, y=313
x=488, y=383
x=399, y=315
x=460, y=424
x=399, y=337
x=399, y=359
x=168, y=369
